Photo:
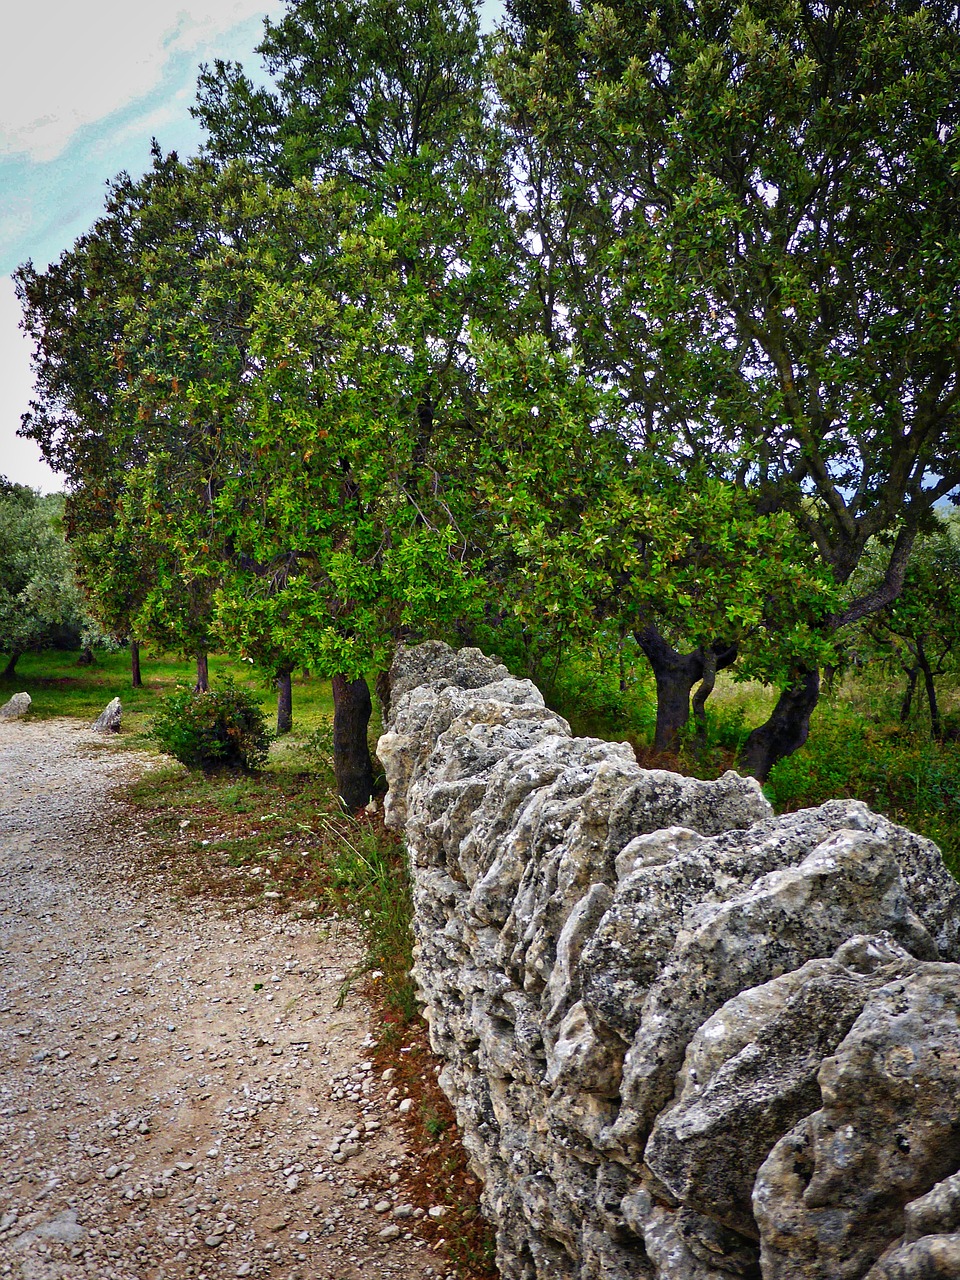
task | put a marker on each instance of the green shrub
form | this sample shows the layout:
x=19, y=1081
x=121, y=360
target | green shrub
x=317, y=746
x=223, y=728
x=585, y=690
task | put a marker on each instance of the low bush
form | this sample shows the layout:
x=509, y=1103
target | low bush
x=317, y=747
x=221, y=729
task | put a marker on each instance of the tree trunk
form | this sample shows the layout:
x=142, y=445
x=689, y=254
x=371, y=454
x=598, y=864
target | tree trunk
x=352, y=765
x=284, y=701
x=912, y=673
x=707, y=685
x=135, y=677
x=10, y=668
x=86, y=658
x=203, y=675
x=675, y=675
x=936, y=727
x=785, y=731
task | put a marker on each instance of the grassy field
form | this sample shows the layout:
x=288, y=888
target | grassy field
x=59, y=686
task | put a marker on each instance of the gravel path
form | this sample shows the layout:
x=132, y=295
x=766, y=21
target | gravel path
x=160, y=1116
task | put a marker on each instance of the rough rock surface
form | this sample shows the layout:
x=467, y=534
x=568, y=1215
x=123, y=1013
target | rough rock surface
x=18, y=706
x=108, y=721
x=674, y=1023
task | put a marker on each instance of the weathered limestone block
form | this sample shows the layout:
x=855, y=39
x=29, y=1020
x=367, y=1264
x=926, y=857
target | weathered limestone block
x=684, y=1038
x=930, y=1258
x=930, y=1248
x=422, y=716
x=750, y=1074
x=108, y=721
x=665, y=876
x=531, y=799
x=17, y=706
x=660, y=799
x=676, y=1251
x=833, y=1192
x=436, y=666
x=850, y=884
x=936, y=1213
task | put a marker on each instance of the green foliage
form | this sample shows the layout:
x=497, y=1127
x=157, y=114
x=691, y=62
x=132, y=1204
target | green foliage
x=872, y=758
x=585, y=688
x=920, y=630
x=317, y=746
x=761, y=249
x=593, y=532
x=658, y=346
x=40, y=602
x=221, y=728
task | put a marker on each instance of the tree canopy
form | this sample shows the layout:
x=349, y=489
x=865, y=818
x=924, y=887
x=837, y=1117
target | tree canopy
x=756, y=241
x=643, y=317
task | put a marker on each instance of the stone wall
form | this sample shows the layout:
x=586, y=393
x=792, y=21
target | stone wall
x=684, y=1038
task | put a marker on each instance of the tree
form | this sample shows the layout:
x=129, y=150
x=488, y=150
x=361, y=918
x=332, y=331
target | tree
x=341, y=524
x=129, y=449
x=599, y=535
x=40, y=602
x=274, y=440
x=386, y=100
x=764, y=255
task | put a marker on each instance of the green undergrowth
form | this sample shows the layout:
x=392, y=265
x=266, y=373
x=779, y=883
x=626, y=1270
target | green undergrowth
x=586, y=690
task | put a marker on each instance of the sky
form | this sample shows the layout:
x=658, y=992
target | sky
x=83, y=89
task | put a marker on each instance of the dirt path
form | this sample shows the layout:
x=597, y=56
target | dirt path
x=179, y=1095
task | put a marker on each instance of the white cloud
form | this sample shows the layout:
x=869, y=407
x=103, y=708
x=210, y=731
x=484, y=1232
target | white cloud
x=66, y=64
x=19, y=459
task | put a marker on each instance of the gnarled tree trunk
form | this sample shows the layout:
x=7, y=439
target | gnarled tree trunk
x=707, y=685
x=10, y=668
x=352, y=765
x=675, y=675
x=787, y=728
x=203, y=674
x=135, y=677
